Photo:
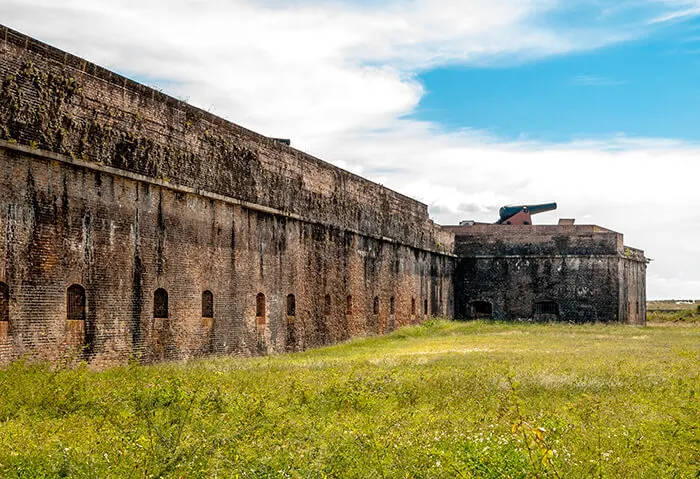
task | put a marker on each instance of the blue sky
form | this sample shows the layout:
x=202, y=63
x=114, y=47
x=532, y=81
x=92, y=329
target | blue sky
x=464, y=105
x=648, y=87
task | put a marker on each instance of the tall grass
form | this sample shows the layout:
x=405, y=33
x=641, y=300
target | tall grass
x=680, y=316
x=444, y=399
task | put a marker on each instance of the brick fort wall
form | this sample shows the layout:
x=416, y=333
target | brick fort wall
x=576, y=273
x=113, y=196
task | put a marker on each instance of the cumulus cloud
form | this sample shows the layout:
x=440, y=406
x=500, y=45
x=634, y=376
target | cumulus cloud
x=304, y=69
x=340, y=79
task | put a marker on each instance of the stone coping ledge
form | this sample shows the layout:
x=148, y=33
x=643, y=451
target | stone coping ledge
x=48, y=155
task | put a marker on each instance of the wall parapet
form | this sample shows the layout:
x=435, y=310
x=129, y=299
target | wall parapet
x=534, y=240
x=186, y=189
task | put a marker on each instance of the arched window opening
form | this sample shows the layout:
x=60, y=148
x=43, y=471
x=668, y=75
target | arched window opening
x=207, y=304
x=160, y=304
x=546, y=310
x=481, y=310
x=376, y=305
x=4, y=302
x=260, y=306
x=75, y=302
x=327, y=305
x=348, y=305
x=291, y=305
x=392, y=305
x=425, y=306
x=413, y=306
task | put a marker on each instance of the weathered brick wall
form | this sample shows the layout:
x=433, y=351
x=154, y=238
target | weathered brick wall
x=633, y=287
x=122, y=239
x=584, y=269
x=585, y=288
x=122, y=190
x=535, y=239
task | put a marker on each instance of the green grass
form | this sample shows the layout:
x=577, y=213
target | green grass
x=672, y=304
x=686, y=311
x=444, y=399
x=680, y=316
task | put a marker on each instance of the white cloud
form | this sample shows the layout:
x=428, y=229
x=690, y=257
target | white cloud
x=672, y=288
x=679, y=10
x=644, y=188
x=299, y=69
x=339, y=79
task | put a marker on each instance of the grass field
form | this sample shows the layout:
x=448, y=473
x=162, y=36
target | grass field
x=685, y=311
x=444, y=399
x=673, y=305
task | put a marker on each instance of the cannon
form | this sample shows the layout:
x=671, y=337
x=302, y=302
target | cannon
x=521, y=214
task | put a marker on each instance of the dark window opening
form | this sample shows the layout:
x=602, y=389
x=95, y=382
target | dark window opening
x=413, y=306
x=160, y=304
x=425, y=306
x=392, y=305
x=327, y=305
x=291, y=305
x=75, y=302
x=4, y=302
x=260, y=305
x=207, y=304
x=546, y=309
x=376, y=305
x=481, y=310
x=348, y=305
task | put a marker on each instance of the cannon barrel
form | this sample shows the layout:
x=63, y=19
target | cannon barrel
x=509, y=211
